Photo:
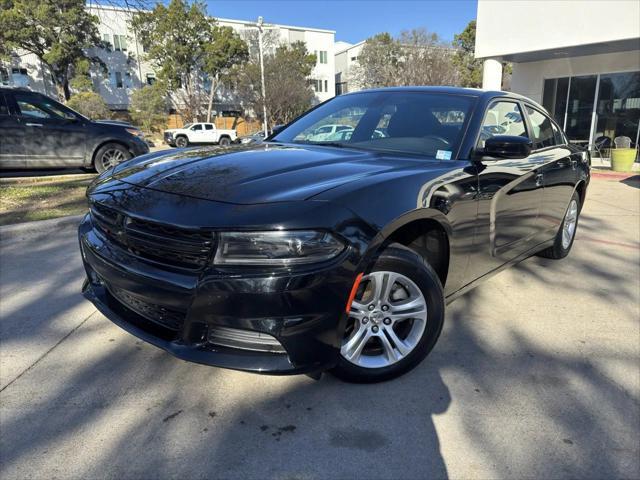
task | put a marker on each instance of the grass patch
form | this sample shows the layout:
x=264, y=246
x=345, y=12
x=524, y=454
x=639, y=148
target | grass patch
x=41, y=198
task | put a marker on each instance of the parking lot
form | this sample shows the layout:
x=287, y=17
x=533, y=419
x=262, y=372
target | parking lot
x=536, y=375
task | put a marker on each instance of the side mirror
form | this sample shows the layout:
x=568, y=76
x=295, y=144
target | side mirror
x=276, y=129
x=507, y=146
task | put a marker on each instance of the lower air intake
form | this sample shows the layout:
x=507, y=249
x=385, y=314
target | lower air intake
x=244, y=339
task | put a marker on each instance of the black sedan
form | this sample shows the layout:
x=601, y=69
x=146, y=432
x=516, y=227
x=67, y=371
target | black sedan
x=300, y=255
x=38, y=132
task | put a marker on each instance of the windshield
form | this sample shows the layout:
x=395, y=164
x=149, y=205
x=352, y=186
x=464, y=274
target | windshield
x=422, y=123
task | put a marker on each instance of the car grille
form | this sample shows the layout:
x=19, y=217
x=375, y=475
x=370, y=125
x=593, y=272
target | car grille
x=161, y=244
x=171, y=319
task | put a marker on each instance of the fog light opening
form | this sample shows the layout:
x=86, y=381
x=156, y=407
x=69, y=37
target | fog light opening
x=244, y=340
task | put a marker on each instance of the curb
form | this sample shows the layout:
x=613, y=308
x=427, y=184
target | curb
x=8, y=232
x=610, y=175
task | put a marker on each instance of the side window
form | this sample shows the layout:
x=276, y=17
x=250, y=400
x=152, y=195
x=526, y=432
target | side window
x=502, y=118
x=542, y=133
x=197, y=128
x=208, y=126
x=38, y=107
x=4, y=108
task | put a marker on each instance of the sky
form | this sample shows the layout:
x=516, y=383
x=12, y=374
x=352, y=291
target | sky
x=355, y=20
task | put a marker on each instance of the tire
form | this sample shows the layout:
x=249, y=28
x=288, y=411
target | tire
x=224, y=142
x=393, y=348
x=567, y=233
x=182, y=141
x=110, y=155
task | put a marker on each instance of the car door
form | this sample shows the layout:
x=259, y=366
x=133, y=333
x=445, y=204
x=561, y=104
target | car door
x=509, y=194
x=54, y=137
x=210, y=133
x=196, y=133
x=11, y=137
x=558, y=169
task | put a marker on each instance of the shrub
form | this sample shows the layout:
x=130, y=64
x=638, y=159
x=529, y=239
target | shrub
x=149, y=108
x=90, y=105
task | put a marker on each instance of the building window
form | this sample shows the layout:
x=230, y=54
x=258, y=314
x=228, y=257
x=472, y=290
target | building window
x=106, y=39
x=354, y=59
x=319, y=86
x=120, y=43
x=321, y=56
x=151, y=78
x=618, y=108
x=118, y=79
x=595, y=109
x=341, y=88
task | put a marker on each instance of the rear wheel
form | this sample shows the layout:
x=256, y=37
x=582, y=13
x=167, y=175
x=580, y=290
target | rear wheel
x=224, y=142
x=110, y=155
x=182, y=141
x=395, y=319
x=567, y=232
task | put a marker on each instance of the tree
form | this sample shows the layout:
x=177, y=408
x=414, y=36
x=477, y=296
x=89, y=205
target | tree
x=469, y=67
x=226, y=50
x=58, y=32
x=89, y=104
x=417, y=57
x=286, y=83
x=185, y=46
x=149, y=107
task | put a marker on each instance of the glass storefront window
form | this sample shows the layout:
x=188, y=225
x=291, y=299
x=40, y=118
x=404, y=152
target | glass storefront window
x=582, y=92
x=618, y=108
x=570, y=100
x=555, y=97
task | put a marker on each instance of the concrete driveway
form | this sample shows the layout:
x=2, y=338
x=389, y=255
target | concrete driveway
x=536, y=375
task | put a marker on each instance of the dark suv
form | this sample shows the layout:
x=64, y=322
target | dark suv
x=39, y=132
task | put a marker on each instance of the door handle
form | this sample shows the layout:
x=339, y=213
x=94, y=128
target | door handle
x=539, y=178
x=33, y=124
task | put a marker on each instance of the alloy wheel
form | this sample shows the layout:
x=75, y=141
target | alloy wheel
x=386, y=322
x=569, y=225
x=112, y=157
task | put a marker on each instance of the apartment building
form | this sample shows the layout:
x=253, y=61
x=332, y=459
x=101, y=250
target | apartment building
x=127, y=70
x=346, y=59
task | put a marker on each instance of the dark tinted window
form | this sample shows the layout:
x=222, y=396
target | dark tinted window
x=554, y=97
x=4, y=109
x=208, y=126
x=542, y=130
x=197, y=127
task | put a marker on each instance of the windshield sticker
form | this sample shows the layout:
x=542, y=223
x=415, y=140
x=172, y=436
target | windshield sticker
x=443, y=155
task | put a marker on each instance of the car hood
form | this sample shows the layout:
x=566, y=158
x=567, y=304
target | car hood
x=257, y=173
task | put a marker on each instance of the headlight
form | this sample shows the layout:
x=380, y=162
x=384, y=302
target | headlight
x=276, y=248
x=135, y=132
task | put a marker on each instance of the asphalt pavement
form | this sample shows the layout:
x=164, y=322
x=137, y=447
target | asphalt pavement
x=536, y=375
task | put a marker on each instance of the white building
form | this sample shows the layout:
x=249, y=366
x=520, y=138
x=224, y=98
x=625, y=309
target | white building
x=346, y=59
x=581, y=60
x=127, y=71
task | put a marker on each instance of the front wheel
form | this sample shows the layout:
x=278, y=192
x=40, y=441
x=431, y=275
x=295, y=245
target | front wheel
x=109, y=156
x=395, y=319
x=182, y=142
x=567, y=232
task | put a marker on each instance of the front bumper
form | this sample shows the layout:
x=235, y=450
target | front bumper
x=304, y=311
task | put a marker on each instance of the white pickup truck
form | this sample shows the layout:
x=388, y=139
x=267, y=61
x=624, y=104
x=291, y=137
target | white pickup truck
x=198, y=133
